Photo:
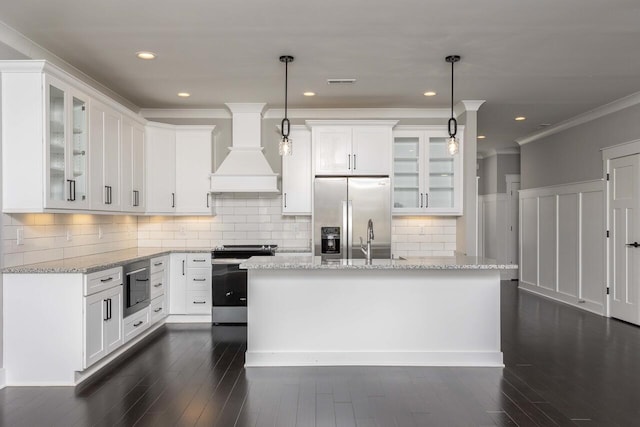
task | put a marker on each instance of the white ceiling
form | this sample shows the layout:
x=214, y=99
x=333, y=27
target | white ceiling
x=546, y=59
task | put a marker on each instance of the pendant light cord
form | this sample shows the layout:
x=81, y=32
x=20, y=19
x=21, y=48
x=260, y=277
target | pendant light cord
x=285, y=126
x=452, y=121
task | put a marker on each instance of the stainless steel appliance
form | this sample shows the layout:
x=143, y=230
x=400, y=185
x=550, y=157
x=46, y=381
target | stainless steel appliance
x=136, y=287
x=229, y=283
x=347, y=210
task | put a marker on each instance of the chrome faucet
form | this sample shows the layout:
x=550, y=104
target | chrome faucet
x=367, y=250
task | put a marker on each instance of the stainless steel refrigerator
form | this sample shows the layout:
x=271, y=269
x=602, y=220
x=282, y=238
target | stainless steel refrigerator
x=342, y=208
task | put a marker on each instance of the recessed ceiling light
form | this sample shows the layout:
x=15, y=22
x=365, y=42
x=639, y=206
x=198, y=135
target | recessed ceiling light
x=430, y=93
x=146, y=55
x=520, y=118
x=481, y=137
x=184, y=94
x=309, y=93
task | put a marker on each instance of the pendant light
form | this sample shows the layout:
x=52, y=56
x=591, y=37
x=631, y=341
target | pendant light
x=285, y=146
x=452, y=125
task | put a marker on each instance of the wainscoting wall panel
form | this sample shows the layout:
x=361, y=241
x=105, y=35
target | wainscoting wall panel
x=562, y=243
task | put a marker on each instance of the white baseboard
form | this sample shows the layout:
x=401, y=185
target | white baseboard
x=559, y=297
x=188, y=318
x=3, y=378
x=374, y=358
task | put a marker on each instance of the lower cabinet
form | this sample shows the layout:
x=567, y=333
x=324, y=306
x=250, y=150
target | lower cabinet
x=190, y=291
x=135, y=324
x=103, y=324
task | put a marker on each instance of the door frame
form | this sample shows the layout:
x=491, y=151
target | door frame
x=510, y=179
x=609, y=153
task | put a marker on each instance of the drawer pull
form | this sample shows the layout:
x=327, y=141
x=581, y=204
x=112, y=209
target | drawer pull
x=199, y=302
x=199, y=260
x=135, y=325
x=157, y=285
x=199, y=280
x=156, y=264
x=108, y=279
x=157, y=309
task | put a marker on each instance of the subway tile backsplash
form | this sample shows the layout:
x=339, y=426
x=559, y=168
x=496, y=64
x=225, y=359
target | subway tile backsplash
x=240, y=219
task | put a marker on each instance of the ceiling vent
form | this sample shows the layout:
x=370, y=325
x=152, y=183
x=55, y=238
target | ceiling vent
x=341, y=81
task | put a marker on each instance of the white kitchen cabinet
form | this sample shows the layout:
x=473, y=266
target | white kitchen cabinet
x=132, y=167
x=178, y=169
x=104, y=145
x=159, y=288
x=103, y=324
x=190, y=285
x=351, y=147
x=135, y=324
x=296, y=174
x=426, y=179
x=193, y=170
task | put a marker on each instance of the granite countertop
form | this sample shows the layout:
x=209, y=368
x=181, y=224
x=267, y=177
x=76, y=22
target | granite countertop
x=458, y=262
x=92, y=263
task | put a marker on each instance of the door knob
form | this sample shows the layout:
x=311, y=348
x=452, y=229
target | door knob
x=634, y=244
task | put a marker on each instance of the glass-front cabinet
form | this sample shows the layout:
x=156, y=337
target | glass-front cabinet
x=66, y=121
x=426, y=179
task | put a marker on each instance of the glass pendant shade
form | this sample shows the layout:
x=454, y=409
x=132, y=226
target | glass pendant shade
x=285, y=147
x=452, y=145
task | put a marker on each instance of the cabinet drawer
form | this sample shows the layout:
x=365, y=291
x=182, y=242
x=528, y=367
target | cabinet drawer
x=101, y=280
x=157, y=309
x=159, y=264
x=135, y=324
x=199, y=279
x=158, y=284
x=199, y=302
x=202, y=260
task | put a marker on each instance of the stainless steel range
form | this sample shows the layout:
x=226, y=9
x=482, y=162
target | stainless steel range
x=229, y=283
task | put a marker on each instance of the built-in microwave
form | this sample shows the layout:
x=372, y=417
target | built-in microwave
x=136, y=287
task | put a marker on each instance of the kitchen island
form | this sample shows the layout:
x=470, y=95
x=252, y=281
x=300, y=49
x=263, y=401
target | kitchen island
x=442, y=311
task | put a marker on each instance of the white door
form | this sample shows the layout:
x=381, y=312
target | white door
x=126, y=164
x=161, y=169
x=623, y=220
x=332, y=150
x=193, y=171
x=371, y=149
x=514, y=204
x=178, y=281
x=296, y=175
x=111, y=159
x=113, y=324
x=95, y=315
x=139, y=167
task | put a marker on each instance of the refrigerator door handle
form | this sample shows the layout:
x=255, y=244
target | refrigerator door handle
x=350, y=229
x=344, y=240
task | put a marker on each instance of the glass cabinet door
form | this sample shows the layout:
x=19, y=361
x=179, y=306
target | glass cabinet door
x=441, y=174
x=406, y=172
x=57, y=145
x=79, y=151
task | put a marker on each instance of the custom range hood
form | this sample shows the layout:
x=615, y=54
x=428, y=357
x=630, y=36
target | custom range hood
x=245, y=169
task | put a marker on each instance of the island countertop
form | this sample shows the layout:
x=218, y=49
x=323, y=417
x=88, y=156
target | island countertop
x=457, y=262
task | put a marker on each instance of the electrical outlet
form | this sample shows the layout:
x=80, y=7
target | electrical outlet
x=69, y=236
x=20, y=236
x=100, y=232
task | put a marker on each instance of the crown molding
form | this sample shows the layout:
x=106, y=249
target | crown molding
x=313, y=123
x=472, y=105
x=596, y=113
x=358, y=113
x=494, y=152
x=185, y=113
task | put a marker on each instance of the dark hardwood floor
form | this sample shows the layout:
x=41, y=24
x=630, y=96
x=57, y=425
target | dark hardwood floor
x=563, y=367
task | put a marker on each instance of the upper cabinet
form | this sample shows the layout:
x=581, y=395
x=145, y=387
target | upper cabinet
x=351, y=147
x=132, y=165
x=296, y=174
x=426, y=179
x=179, y=163
x=61, y=142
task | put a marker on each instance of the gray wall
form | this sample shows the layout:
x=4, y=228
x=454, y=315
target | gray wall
x=574, y=154
x=493, y=170
x=508, y=164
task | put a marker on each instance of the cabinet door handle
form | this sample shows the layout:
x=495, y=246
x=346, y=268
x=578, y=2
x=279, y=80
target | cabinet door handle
x=633, y=245
x=138, y=323
x=199, y=280
x=157, y=285
x=70, y=198
x=108, y=279
x=183, y=267
x=74, y=190
x=426, y=197
x=157, y=309
x=156, y=264
x=285, y=200
x=106, y=310
x=354, y=162
x=173, y=200
x=349, y=160
x=207, y=199
x=199, y=302
x=420, y=199
x=135, y=198
x=110, y=308
x=199, y=260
